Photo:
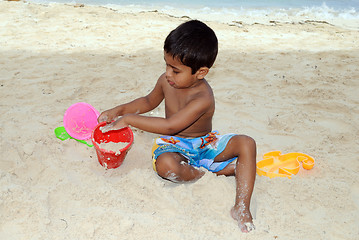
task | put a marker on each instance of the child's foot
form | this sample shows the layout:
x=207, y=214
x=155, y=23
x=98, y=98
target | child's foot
x=243, y=217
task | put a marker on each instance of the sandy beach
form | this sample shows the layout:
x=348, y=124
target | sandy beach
x=292, y=86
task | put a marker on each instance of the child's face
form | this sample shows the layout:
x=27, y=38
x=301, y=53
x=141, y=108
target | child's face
x=179, y=75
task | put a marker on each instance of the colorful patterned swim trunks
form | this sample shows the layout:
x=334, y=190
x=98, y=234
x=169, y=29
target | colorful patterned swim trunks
x=200, y=151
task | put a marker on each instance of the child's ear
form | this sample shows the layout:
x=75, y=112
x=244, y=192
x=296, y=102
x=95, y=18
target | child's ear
x=202, y=72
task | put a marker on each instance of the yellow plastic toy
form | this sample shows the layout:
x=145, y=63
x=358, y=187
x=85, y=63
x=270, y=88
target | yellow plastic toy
x=274, y=164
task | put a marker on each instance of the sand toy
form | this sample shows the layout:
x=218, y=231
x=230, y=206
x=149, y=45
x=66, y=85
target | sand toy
x=80, y=119
x=61, y=133
x=112, y=158
x=276, y=164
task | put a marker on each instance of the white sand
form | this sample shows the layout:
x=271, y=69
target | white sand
x=292, y=87
x=113, y=146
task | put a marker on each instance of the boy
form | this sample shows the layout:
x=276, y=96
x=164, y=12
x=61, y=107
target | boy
x=189, y=143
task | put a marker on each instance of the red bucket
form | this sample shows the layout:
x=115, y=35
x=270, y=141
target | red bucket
x=111, y=159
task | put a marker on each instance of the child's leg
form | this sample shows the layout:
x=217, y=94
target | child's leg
x=175, y=167
x=244, y=148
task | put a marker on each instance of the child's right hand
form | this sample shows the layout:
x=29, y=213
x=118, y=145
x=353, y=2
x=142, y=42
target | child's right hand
x=116, y=125
x=107, y=116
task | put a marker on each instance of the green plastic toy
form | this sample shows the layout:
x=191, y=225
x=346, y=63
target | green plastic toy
x=61, y=134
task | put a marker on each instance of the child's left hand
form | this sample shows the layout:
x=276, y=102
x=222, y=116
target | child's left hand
x=116, y=125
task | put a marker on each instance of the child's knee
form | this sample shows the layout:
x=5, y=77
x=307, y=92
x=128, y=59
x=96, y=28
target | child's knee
x=250, y=142
x=164, y=166
x=245, y=143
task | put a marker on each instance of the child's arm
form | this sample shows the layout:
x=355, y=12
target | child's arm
x=139, y=105
x=170, y=125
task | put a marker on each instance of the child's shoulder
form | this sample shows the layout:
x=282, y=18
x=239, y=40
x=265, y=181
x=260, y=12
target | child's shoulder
x=206, y=88
x=202, y=93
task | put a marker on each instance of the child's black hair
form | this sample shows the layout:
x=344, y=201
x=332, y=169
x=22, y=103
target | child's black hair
x=194, y=44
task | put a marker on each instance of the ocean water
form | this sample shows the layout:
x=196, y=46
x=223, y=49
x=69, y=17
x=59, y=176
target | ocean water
x=336, y=5
x=241, y=10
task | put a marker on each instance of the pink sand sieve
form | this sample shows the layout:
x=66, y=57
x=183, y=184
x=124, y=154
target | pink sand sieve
x=80, y=120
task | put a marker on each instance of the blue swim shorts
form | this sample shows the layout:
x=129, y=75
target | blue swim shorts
x=200, y=151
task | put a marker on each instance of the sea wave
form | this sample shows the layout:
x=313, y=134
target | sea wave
x=344, y=16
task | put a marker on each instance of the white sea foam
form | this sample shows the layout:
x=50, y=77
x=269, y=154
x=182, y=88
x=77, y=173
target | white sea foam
x=344, y=17
x=338, y=13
